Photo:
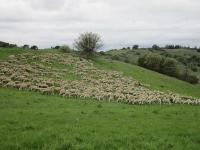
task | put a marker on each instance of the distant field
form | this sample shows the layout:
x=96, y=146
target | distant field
x=156, y=80
x=30, y=120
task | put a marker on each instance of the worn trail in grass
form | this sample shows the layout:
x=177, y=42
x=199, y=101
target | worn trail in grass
x=33, y=121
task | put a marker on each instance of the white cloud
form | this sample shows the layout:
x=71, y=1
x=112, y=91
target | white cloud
x=120, y=23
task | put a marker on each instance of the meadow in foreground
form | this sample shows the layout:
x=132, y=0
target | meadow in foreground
x=30, y=120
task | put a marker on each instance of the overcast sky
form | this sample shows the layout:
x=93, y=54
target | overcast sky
x=120, y=23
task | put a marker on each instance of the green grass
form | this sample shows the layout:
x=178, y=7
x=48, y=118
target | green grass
x=156, y=80
x=33, y=121
x=5, y=52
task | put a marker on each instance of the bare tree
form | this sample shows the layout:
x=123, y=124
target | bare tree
x=88, y=43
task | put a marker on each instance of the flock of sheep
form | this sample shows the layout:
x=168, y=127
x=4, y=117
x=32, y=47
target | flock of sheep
x=37, y=72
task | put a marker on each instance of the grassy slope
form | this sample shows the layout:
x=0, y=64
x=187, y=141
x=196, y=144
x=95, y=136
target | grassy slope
x=155, y=80
x=33, y=121
x=5, y=52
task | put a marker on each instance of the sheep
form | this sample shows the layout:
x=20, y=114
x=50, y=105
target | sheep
x=94, y=83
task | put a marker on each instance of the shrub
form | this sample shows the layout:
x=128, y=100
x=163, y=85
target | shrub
x=65, y=49
x=155, y=47
x=173, y=46
x=115, y=57
x=12, y=45
x=151, y=61
x=178, y=46
x=193, y=68
x=192, y=79
x=7, y=45
x=135, y=47
x=88, y=43
x=169, y=67
x=25, y=46
x=166, y=66
x=34, y=47
x=57, y=47
x=102, y=53
x=186, y=76
x=4, y=44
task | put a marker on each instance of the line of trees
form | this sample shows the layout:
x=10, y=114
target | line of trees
x=157, y=47
x=7, y=45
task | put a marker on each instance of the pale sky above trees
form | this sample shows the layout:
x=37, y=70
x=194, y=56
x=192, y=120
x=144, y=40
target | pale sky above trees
x=120, y=22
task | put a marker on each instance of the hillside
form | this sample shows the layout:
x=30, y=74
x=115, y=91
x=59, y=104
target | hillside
x=35, y=115
x=68, y=75
x=151, y=79
x=189, y=58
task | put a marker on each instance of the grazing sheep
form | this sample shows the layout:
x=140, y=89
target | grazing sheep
x=99, y=84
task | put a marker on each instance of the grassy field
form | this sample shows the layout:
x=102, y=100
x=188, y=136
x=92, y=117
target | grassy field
x=156, y=80
x=30, y=120
x=33, y=121
x=5, y=52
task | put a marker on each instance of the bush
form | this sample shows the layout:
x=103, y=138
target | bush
x=57, y=47
x=155, y=47
x=169, y=67
x=186, y=76
x=151, y=61
x=135, y=47
x=193, y=79
x=115, y=57
x=34, y=47
x=193, y=68
x=88, y=43
x=65, y=49
x=4, y=44
x=25, y=46
x=7, y=45
x=12, y=45
x=102, y=53
x=173, y=46
x=166, y=66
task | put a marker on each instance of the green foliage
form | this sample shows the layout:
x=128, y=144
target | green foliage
x=152, y=61
x=33, y=121
x=65, y=49
x=7, y=45
x=34, y=47
x=166, y=66
x=88, y=43
x=187, y=76
x=155, y=47
x=173, y=46
x=102, y=53
x=169, y=67
x=57, y=47
x=135, y=47
x=25, y=46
